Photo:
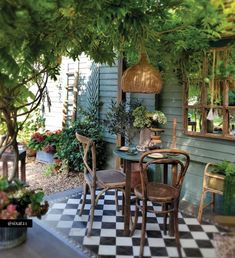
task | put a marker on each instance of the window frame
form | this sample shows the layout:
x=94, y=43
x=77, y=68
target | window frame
x=203, y=105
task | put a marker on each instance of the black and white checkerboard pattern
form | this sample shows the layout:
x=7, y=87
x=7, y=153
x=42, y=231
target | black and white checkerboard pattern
x=107, y=238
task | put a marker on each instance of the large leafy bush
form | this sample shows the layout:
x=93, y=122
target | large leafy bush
x=69, y=149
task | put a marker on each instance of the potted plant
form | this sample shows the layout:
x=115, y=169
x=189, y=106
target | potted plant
x=144, y=120
x=119, y=120
x=45, y=144
x=18, y=202
x=227, y=170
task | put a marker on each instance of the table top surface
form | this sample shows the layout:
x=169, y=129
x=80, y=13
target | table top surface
x=135, y=157
x=127, y=155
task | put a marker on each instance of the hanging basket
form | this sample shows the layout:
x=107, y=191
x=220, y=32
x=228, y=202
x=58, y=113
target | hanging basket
x=142, y=78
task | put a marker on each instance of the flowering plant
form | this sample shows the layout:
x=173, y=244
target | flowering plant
x=17, y=201
x=157, y=117
x=46, y=141
x=143, y=118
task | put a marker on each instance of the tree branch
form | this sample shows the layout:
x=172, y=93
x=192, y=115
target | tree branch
x=33, y=107
x=46, y=69
x=172, y=30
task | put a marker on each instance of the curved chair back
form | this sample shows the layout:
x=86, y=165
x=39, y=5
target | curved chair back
x=177, y=159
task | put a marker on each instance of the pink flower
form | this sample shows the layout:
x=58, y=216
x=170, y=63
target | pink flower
x=29, y=210
x=9, y=213
x=58, y=131
x=38, y=137
x=11, y=208
x=3, y=199
x=49, y=148
x=48, y=133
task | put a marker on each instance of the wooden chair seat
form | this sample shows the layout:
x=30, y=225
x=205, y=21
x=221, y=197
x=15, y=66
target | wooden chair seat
x=111, y=178
x=157, y=192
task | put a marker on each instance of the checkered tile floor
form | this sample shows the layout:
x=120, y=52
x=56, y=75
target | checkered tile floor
x=107, y=238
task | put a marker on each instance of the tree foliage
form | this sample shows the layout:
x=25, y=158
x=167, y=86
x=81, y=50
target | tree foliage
x=35, y=34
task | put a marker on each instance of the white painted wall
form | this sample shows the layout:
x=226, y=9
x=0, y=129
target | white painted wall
x=57, y=91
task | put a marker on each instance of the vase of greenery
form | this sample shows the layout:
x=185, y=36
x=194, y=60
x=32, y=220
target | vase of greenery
x=119, y=120
x=143, y=120
x=227, y=170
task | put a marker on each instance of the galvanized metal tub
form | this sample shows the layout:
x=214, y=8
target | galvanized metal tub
x=12, y=237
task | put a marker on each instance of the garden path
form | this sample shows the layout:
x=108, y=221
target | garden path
x=36, y=178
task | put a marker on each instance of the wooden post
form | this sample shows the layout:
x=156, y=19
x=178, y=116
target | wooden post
x=173, y=144
x=65, y=106
x=75, y=96
x=120, y=98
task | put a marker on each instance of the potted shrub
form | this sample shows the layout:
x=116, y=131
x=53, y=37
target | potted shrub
x=68, y=148
x=45, y=144
x=17, y=202
x=145, y=120
x=119, y=120
x=226, y=170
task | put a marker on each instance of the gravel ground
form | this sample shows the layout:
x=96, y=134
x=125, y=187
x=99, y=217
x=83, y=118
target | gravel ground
x=57, y=182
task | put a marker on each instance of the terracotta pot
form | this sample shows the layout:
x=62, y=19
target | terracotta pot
x=31, y=152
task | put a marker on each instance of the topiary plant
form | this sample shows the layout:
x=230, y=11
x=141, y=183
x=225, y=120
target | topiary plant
x=227, y=169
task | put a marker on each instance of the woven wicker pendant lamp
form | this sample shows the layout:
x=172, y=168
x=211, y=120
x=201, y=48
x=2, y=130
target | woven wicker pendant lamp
x=142, y=77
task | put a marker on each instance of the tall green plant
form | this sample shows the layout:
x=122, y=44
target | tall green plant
x=69, y=149
x=227, y=169
x=119, y=119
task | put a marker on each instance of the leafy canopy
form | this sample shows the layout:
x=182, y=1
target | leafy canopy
x=35, y=34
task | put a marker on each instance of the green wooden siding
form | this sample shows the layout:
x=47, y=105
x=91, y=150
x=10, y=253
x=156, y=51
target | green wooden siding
x=202, y=150
x=108, y=81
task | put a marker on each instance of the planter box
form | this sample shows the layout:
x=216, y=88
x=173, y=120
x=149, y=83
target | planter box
x=216, y=181
x=44, y=157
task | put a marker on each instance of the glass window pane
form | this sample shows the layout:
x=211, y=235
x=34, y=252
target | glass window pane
x=231, y=97
x=194, y=120
x=232, y=122
x=194, y=94
x=215, y=93
x=214, y=121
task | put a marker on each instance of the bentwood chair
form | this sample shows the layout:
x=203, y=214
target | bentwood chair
x=97, y=179
x=167, y=193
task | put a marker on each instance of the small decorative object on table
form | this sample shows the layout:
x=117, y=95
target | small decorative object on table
x=148, y=123
x=16, y=203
